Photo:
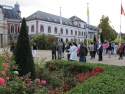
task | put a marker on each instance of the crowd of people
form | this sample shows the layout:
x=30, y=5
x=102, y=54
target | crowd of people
x=81, y=50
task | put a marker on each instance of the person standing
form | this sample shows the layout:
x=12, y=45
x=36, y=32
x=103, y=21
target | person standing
x=63, y=50
x=12, y=47
x=91, y=50
x=53, y=48
x=82, y=53
x=115, y=49
x=59, y=50
x=121, y=49
x=34, y=50
x=73, y=54
x=104, y=48
x=109, y=50
x=68, y=47
x=100, y=50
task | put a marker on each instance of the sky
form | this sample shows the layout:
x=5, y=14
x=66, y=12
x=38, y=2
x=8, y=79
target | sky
x=69, y=8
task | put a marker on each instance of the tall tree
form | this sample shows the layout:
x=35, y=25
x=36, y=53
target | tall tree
x=101, y=37
x=107, y=30
x=94, y=39
x=23, y=55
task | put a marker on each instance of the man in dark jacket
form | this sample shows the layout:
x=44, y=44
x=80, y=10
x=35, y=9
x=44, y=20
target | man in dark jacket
x=53, y=48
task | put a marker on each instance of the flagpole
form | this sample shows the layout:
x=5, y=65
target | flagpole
x=60, y=25
x=120, y=20
x=87, y=22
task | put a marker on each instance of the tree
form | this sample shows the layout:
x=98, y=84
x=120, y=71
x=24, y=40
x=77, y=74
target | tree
x=101, y=38
x=94, y=39
x=107, y=30
x=23, y=55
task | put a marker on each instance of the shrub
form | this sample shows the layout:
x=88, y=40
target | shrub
x=23, y=55
x=43, y=41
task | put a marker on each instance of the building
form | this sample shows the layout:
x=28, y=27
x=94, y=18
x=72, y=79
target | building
x=72, y=29
x=10, y=19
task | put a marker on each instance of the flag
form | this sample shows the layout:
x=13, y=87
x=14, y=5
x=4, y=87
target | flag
x=60, y=17
x=122, y=11
x=88, y=22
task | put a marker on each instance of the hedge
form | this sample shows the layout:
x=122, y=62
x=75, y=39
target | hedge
x=111, y=81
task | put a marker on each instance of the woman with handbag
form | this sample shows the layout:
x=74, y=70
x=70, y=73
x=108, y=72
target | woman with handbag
x=73, y=54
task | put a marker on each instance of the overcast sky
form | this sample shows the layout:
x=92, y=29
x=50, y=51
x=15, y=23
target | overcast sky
x=97, y=8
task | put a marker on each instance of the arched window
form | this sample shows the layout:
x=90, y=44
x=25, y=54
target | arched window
x=82, y=33
x=55, y=30
x=32, y=28
x=28, y=29
x=12, y=28
x=66, y=31
x=18, y=29
x=66, y=40
x=71, y=40
x=79, y=33
x=61, y=31
x=49, y=29
x=71, y=32
x=41, y=28
x=75, y=32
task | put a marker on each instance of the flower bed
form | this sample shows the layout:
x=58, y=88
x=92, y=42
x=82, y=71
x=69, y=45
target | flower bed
x=56, y=77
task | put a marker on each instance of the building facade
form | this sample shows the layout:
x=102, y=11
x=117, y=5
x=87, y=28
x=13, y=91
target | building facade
x=72, y=29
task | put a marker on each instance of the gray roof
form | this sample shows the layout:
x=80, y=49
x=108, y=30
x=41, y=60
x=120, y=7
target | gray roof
x=52, y=18
x=75, y=18
x=10, y=13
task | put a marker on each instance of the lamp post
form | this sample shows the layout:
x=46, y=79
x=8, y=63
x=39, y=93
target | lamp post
x=100, y=30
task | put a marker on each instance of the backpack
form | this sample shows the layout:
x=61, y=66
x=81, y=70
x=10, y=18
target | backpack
x=101, y=48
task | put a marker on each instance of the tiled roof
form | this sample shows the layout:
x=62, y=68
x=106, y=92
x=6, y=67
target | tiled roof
x=50, y=17
x=10, y=13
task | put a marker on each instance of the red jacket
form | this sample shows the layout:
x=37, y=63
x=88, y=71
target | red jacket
x=121, y=48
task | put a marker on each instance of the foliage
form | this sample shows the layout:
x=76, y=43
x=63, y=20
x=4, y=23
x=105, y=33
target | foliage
x=43, y=41
x=101, y=38
x=94, y=39
x=111, y=81
x=117, y=40
x=89, y=40
x=108, y=31
x=23, y=55
x=12, y=83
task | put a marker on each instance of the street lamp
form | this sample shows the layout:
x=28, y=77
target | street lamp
x=100, y=30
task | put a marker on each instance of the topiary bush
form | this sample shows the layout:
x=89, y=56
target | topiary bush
x=23, y=54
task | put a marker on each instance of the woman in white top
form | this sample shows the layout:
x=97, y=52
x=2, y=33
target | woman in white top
x=115, y=49
x=73, y=54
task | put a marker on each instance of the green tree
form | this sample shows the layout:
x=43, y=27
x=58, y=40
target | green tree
x=107, y=30
x=23, y=55
x=94, y=39
x=101, y=37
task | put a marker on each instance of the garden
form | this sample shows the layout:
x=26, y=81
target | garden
x=20, y=73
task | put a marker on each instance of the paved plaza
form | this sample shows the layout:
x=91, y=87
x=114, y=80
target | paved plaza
x=112, y=61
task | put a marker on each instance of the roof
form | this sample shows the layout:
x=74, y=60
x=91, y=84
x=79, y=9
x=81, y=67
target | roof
x=10, y=13
x=50, y=17
x=75, y=18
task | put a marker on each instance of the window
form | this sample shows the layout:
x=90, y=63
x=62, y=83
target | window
x=79, y=33
x=71, y=32
x=28, y=29
x=55, y=30
x=49, y=29
x=66, y=40
x=32, y=28
x=61, y=31
x=75, y=32
x=12, y=28
x=18, y=29
x=66, y=31
x=82, y=33
x=41, y=29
